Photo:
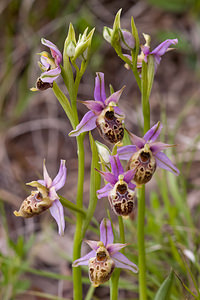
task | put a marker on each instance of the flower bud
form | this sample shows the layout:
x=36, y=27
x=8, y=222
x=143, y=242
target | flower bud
x=83, y=44
x=127, y=40
x=107, y=34
x=103, y=151
x=70, y=50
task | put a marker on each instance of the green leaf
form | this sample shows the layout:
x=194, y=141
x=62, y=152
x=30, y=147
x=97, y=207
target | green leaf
x=95, y=181
x=135, y=52
x=150, y=74
x=164, y=291
x=63, y=101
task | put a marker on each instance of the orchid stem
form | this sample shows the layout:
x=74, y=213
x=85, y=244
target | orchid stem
x=141, y=243
x=115, y=277
x=77, y=278
x=145, y=93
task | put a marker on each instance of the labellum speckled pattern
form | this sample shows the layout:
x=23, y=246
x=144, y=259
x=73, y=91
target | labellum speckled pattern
x=42, y=86
x=101, y=266
x=110, y=126
x=144, y=163
x=33, y=205
x=121, y=199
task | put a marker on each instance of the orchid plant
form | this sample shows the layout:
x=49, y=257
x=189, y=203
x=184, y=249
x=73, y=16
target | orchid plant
x=121, y=187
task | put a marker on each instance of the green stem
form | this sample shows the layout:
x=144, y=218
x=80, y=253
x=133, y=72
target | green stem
x=141, y=244
x=65, y=202
x=77, y=279
x=146, y=85
x=115, y=277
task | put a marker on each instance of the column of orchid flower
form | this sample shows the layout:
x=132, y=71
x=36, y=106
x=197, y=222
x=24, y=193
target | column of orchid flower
x=145, y=155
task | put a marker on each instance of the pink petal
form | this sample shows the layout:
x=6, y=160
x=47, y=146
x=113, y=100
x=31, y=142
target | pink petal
x=47, y=178
x=60, y=178
x=128, y=176
x=108, y=177
x=159, y=146
x=84, y=260
x=51, y=75
x=126, y=152
x=99, y=90
x=116, y=166
x=121, y=261
x=92, y=244
x=41, y=182
x=106, y=233
x=119, y=112
x=95, y=106
x=58, y=214
x=44, y=61
x=138, y=141
x=113, y=248
x=54, y=50
x=104, y=191
x=152, y=134
x=114, y=97
x=164, y=162
x=87, y=123
x=163, y=47
x=52, y=193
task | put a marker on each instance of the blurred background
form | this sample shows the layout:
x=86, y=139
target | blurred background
x=35, y=263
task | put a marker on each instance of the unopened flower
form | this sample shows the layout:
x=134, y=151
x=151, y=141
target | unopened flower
x=46, y=197
x=103, y=113
x=125, y=37
x=104, y=152
x=157, y=53
x=145, y=155
x=105, y=256
x=50, y=66
x=119, y=189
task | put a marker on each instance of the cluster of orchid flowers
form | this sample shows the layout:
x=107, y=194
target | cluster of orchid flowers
x=143, y=156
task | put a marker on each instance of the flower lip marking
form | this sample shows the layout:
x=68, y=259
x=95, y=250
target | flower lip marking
x=109, y=115
x=144, y=157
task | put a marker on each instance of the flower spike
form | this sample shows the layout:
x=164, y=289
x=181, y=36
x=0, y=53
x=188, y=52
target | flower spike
x=105, y=256
x=46, y=197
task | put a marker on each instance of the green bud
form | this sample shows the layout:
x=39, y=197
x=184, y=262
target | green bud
x=107, y=34
x=83, y=44
x=70, y=50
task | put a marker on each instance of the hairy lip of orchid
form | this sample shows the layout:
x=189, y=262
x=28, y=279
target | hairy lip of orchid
x=46, y=197
x=103, y=113
x=105, y=256
x=145, y=154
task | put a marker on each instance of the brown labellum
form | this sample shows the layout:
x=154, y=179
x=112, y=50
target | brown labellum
x=109, y=126
x=121, y=199
x=33, y=205
x=100, y=267
x=42, y=86
x=144, y=163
